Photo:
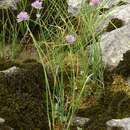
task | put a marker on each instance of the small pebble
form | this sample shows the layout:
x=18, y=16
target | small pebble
x=80, y=121
x=2, y=120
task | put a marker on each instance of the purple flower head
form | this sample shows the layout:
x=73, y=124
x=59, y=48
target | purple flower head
x=94, y=2
x=22, y=16
x=70, y=39
x=37, y=4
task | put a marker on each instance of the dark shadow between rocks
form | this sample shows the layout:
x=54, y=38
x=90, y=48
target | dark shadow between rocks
x=124, y=65
x=122, y=3
x=103, y=10
x=114, y=24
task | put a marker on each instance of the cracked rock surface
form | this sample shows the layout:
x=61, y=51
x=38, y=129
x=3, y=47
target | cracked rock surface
x=119, y=124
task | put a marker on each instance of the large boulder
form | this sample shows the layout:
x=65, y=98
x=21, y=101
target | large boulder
x=115, y=47
x=115, y=40
x=22, y=95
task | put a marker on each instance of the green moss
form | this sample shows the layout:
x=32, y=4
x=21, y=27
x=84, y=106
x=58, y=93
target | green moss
x=113, y=103
x=4, y=64
x=22, y=96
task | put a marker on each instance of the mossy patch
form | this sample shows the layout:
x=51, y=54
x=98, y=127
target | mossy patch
x=113, y=103
x=22, y=96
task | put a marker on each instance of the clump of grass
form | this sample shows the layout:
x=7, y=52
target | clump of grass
x=69, y=64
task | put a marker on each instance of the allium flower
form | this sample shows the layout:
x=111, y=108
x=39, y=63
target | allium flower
x=37, y=4
x=22, y=16
x=70, y=39
x=94, y=2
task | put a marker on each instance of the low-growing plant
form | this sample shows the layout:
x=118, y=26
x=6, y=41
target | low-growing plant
x=69, y=63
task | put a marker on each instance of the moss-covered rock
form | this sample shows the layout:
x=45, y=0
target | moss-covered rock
x=22, y=96
x=113, y=103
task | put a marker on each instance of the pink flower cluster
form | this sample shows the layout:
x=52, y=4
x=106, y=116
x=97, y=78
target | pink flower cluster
x=37, y=4
x=24, y=16
x=70, y=39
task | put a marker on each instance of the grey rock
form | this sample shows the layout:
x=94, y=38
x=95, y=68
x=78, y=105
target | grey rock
x=115, y=18
x=111, y=3
x=10, y=71
x=5, y=4
x=2, y=120
x=80, y=121
x=122, y=12
x=119, y=124
x=74, y=6
x=114, y=45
